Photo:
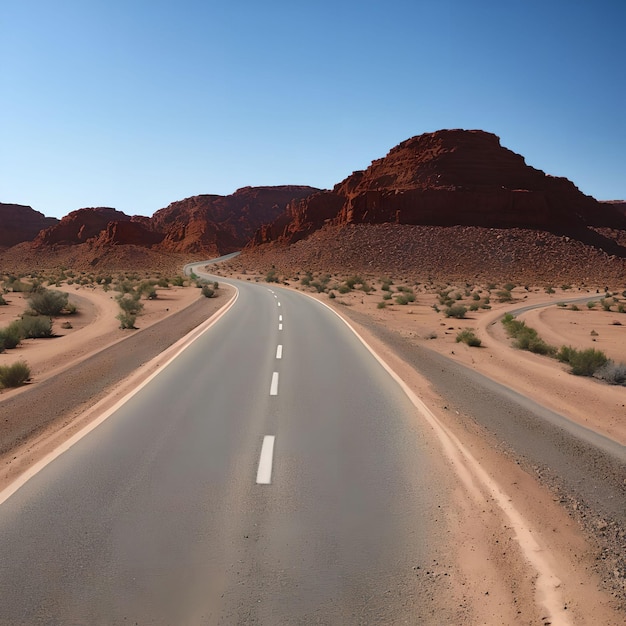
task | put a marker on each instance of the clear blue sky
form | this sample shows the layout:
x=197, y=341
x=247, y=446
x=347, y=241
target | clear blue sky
x=137, y=103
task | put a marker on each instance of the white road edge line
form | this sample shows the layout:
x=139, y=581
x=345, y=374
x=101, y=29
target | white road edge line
x=279, y=351
x=264, y=473
x=547, y=583
x=274, y=385
x=177, y=348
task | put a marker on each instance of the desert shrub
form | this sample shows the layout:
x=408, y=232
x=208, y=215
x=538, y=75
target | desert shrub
x=354, y=280
x=550, y=290
x=574, y=308
x=387, y=295
x=178, y=281
x=381, y=305
x=48, y=301
x=35, y=326
x=10, y=337
x=19, y=286
x=621, y=308
x=525, y=337
x=467, y=336
x=561, y=305
x=612, y=373
x=208, y=292
x=163, y=283
x=386, y=286
x=2, y=300
x=476, y=296
x=66, y=325
x=474, y=306
x=583, y=362
x=129, y=303
x=591, y=304
x=14, y=375
x=509, y=286
x=127, y=320
x=430, y=335
x=271, y=276
x=504, y=296
x=331, y=295
x=343, y=289
x=306, y=280
x=606, y=304
x=457, y=311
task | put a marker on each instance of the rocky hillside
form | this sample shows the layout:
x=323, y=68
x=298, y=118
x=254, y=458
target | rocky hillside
x=448, y=178
x=21, y=223
x=197, y=227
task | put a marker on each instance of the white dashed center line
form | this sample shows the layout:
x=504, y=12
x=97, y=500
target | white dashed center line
x=279, y=304
x=280, y=318
x=274, y=385
x=264, y=473
x=280, y=327
x=279, y=352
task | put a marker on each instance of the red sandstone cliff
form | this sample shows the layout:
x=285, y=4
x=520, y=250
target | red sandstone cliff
x=79, y=226
x=21, y=223
x=447, y=178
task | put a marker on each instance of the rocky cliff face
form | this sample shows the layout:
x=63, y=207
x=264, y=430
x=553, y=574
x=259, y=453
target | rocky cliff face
x=204, y=225
x=79, y=226
x=447, y=178
x=222, y=224
x=21, y=223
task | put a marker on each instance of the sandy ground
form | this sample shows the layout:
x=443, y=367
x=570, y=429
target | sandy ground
x=493, y=576
x=94, y=326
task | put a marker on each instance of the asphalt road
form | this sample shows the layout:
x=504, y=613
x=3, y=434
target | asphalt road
x=174, y=511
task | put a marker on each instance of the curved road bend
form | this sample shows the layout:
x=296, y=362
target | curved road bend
x=156, y=516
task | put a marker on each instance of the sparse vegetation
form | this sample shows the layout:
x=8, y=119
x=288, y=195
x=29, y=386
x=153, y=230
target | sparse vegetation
x=469, y=337
x=48, y=302
x=583, y=362
x=457, y=311
x=208, y=292
x=10, y=337
x=14, y=375
x=272, y=276
x=525, y=337
x=612, y=373
x=35, y=327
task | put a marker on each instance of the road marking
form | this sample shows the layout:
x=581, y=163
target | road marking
x=280, y=318
x=279, y=304
x=279, y=351
x=275, y=295
x=280, y=327
x=274, y=385
x=264, y=473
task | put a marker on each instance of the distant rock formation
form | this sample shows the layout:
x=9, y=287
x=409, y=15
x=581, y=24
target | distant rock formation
x=222, y=224
x=446, y=178
x=79, y=226
x=20, y=223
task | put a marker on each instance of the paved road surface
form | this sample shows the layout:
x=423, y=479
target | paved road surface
x=156, y=516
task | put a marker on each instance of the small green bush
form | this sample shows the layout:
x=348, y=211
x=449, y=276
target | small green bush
x=129, y=303
x=127, y=320
x=178, y=281
x=504, y=296
x=583, y=362
x=10, y=337
x=591, y=304
x=272, y=276
x=457, y=311
x=48, y=302
x=387, y=295
x=526, y=338
x=2, y=301
x=35, y=326
x=467, y=336
x=381, y=305
x=207, y=291
x=14, y=375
